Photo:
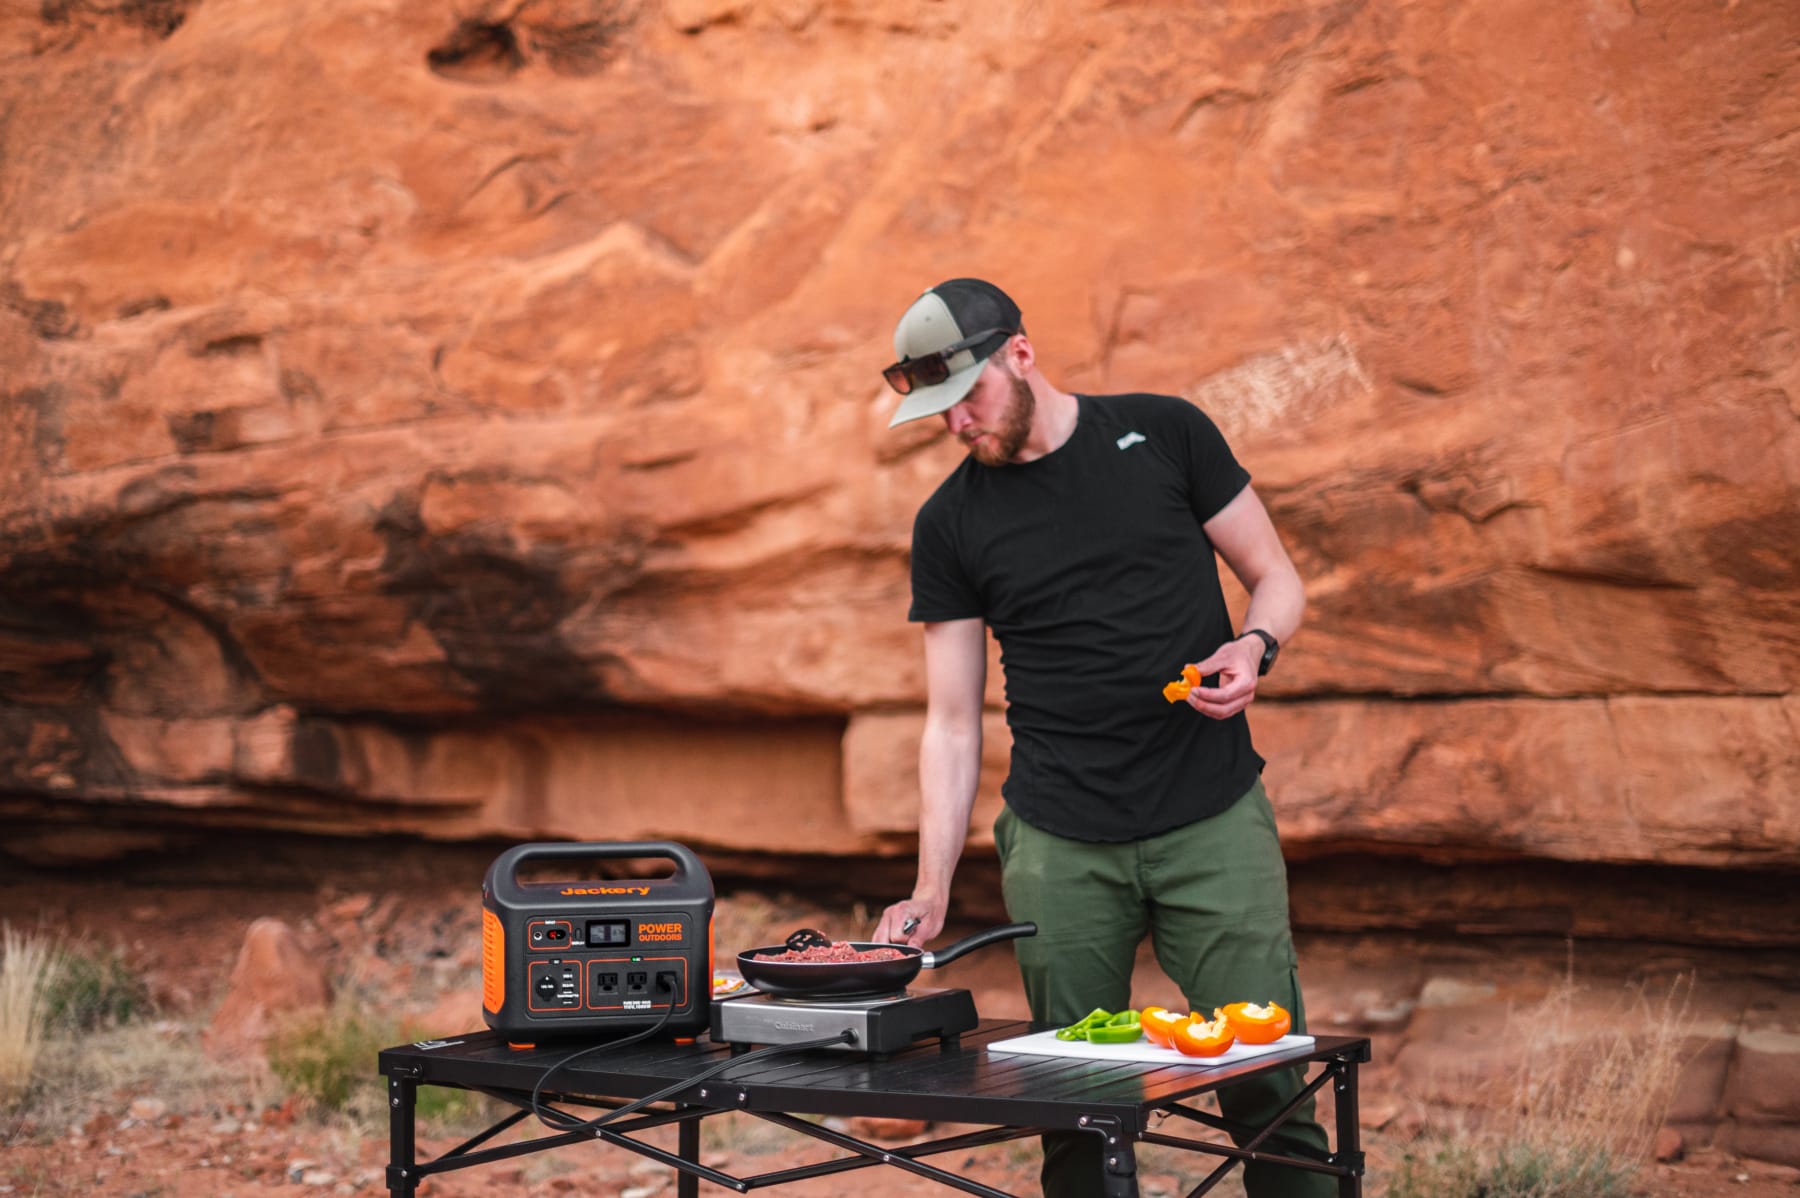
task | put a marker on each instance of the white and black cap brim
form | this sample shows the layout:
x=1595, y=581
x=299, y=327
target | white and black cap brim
x=944, y=315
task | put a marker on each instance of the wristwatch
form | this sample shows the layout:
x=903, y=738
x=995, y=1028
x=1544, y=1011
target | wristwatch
x=1271, y=647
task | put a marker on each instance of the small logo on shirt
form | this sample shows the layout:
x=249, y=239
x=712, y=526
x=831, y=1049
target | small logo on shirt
x=1130, y=439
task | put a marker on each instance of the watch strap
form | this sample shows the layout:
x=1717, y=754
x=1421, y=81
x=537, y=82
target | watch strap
x=1271, y=646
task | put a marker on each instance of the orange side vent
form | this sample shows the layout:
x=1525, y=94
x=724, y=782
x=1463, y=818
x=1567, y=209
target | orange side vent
x=493, y=962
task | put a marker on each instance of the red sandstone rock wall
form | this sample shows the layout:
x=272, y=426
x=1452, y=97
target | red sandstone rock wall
x=464, y=420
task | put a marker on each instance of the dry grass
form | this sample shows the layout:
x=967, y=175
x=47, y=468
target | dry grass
x=27, y=970
x=1609, y=1096
x=72, y=1030
x=83, y=1072
x=1578, y=1117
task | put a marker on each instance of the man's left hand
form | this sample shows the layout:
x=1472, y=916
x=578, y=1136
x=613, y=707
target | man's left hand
x=1236, y=663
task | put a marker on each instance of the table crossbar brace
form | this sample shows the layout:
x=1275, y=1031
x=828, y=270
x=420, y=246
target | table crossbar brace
x=461, y=1157
x=1256, y=1134
x=1235, y=1155
x=474, y=1142
x=884, y=1156
x=977, y=1139
x=683, y=1114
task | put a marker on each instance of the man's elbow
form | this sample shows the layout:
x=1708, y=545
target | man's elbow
x=956, y=724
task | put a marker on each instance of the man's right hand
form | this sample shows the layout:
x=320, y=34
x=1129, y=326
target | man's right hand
x=929, y=917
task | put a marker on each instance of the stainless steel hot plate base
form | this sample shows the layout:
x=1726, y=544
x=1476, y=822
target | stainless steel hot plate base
x=881, y=1024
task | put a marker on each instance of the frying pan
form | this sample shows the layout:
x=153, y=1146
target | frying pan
x=841, y=979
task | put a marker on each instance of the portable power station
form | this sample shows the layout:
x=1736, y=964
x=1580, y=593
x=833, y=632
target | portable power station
x=568, y=958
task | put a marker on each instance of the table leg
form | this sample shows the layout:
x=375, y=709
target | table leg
x=402, y=1182
x=1118, y=1158
x=688, y=1146
x=1120, y=1171
x=1349, y=1139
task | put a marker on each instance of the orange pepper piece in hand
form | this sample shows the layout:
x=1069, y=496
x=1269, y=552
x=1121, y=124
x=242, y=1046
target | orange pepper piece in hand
x=1178, y=690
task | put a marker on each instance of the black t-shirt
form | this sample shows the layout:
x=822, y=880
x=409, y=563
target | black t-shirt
x=1092, y=569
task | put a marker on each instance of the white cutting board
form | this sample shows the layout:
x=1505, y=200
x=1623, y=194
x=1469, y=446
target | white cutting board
x=1045, y=1044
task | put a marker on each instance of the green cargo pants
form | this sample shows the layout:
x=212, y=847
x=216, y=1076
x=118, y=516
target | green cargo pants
x=1213, y=898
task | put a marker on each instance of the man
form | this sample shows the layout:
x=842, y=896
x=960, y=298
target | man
x=1082, y=530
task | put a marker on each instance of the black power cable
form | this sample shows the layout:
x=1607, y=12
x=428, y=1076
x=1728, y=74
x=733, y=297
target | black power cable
x=563, y=1121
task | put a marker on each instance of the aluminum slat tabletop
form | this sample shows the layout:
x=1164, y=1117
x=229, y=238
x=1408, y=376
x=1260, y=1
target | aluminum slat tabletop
x=951, y=1081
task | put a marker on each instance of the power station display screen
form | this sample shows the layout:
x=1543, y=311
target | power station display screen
x=608, y=933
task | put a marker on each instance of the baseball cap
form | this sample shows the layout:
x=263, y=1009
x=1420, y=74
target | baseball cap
x=948, y=317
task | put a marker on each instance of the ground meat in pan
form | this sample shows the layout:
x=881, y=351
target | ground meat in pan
x=838, y=951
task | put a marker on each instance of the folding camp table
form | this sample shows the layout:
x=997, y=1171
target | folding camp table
x=953, y=1080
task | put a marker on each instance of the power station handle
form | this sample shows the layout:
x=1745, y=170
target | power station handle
x=504, y=873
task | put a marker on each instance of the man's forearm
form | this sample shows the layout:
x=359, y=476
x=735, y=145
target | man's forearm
x=1277, y=604
x=949, y=771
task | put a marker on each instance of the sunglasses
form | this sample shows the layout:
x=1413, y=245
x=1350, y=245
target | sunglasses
x=931, y=369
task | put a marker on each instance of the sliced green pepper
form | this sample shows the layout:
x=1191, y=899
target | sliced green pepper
x=1116, y=1033
x=1078, y=1030
x=1122, y=1028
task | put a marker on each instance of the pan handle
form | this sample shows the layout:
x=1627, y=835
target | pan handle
x=950, y=952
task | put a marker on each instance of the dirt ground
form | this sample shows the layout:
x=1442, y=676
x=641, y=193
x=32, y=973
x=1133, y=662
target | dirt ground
x=147, y=1113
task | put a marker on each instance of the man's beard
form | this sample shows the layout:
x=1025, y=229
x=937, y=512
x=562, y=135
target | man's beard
x=1015, y=426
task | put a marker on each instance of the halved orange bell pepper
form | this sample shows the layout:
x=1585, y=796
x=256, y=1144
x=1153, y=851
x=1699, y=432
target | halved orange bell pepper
x=1197, y=1037
x=1256, y=1023
x=1159, y=1024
